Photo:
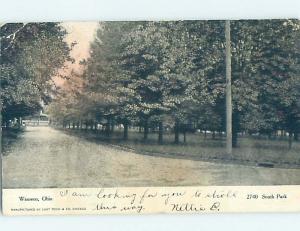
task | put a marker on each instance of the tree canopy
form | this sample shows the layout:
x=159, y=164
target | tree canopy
x=172, y=74
x=31, y=54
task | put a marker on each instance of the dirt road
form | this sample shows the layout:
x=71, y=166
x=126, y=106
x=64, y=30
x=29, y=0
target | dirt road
x=45, y=157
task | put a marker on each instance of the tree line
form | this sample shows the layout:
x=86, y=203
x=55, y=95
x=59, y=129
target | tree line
x=172, y=74
x=160, y=75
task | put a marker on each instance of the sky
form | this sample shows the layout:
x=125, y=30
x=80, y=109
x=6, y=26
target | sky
x=83, y=34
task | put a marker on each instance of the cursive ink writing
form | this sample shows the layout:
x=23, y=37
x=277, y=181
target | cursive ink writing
x=187, y=207
x=116, y=195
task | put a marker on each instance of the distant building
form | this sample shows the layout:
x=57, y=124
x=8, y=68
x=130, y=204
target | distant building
x=38, y=119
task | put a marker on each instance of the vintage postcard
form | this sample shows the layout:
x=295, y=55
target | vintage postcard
x=136, y=117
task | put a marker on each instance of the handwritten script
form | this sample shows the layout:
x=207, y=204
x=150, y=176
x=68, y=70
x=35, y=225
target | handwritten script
x=148, y=200
x=176, y=200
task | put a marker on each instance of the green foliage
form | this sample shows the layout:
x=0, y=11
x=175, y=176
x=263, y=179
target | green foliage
x=31, y=54
x=265, y=72
x=175, y=71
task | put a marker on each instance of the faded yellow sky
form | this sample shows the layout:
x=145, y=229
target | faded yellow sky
x=83, y=34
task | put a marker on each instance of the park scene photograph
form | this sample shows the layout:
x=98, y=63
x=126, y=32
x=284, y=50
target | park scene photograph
x=150, y=103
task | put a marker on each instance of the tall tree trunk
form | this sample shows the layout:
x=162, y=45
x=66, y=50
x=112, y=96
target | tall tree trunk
x=235, y=128
x=107, y=128
x=80, y=124
x=125, y=135
x=213, y=136
x=96, y=126
x=184, y=136
x=228, y=90
x=234, y=139
x=146, y=129
x=220, y=134
x=296, y=136
x=160, y=132
x=176, y=131
x=112, y=125
x=290, y=139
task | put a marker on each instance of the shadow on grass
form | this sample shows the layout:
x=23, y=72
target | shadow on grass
x=252, y=152
x=9, y=136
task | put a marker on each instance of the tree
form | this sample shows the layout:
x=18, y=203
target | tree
x=31, y=54
x=146, y=73
x=264, y=58
x=103, y=76
x=228, y=90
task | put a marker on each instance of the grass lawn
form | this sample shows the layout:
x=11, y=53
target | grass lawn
x=258, y=151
